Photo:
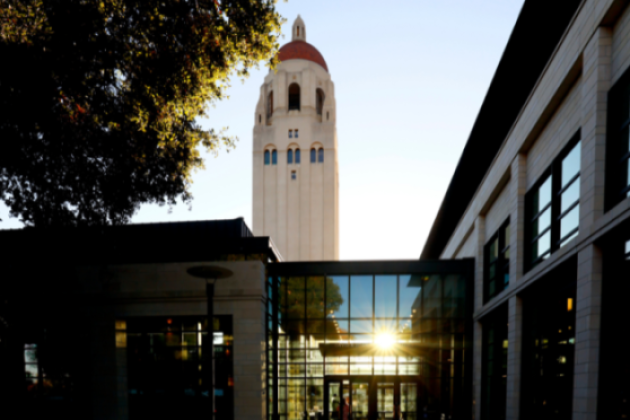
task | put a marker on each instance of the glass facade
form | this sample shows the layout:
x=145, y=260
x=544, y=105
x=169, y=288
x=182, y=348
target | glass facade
x=614, y=390
x=494, y=370
x=618, y=143
x=548, y=345
x=369, y=344
x=165, y=366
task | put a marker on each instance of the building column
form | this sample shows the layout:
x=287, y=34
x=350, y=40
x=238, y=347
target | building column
x=596, y=81
x=518, y=188
x=480, y=233
x=587, y=331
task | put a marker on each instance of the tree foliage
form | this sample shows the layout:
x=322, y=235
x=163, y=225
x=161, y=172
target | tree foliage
x=99, y=99
x=313, y=299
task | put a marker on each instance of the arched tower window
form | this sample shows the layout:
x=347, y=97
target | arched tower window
x=290, y=156
x=270, y=105
x=320, y=155
x=259, y=118
x=294, y=96
x=298, y=31
x=290, y=134
x=296, y=133
x=319, y=96
x=274, y=157
x=297, y=156
x=267, y=157
x=313, y=155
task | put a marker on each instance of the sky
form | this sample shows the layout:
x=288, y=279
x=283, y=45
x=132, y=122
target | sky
x=410, y=77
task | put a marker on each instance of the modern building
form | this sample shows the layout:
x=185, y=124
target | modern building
x=296, y=173
x=539, y=200
x=515, y=310
x=108, y=324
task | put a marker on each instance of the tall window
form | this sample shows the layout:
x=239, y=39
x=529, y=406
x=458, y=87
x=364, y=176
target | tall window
x=313, y=155
x=274, y=157
x=270, y=105
x=297, y=155
x=290, y=134
x=320, y=155
x=494, y=364
x=618, y=143
x=296, y=133
x=319, y=97
x=294, y=96
x=553, y=205
x=267, y=157
x=290, y=156
x=497, y=260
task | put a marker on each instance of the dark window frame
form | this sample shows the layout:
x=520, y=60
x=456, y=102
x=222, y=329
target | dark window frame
x=290, y=157
x=617, y=181
x=267, y=157
x=320, y=155
x=502, y=265
x=297, y=156
x=554, y=172
x=274, y=157
x=313, y=155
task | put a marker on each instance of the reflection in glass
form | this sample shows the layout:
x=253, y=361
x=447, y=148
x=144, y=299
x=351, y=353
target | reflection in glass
x=361, y=297
x=542, y=196
x=408, y=396
x=385, y=296
x=337, y=297
x=571, y=164
x=367, y=325
x=570, y=196
x=569, y=222
x=385, y=400
x=541, y=246
x=541, y=223
x=359, y=399
x=408, y=293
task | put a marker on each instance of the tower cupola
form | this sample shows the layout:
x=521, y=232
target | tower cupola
x=299, y=30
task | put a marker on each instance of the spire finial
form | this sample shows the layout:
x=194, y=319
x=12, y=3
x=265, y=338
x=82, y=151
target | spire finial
x=299, y=30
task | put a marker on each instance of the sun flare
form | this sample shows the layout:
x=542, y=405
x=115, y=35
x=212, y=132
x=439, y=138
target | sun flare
x=385, y=340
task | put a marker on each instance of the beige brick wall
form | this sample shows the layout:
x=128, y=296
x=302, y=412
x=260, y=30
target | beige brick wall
x=167, y=290
x=621, y=45
x=557, y=133
x=498, y=213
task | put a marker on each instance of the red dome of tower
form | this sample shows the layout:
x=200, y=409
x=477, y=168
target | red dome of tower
x=301, y=50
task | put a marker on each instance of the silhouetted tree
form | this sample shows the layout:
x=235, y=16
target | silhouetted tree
x=99, y=99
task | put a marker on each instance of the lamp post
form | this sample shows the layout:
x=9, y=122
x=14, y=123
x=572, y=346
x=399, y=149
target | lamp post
x=210, y=274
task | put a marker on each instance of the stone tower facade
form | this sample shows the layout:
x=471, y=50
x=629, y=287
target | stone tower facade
x=296, y=174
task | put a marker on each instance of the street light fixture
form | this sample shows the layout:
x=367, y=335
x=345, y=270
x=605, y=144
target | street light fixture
x=210, y=274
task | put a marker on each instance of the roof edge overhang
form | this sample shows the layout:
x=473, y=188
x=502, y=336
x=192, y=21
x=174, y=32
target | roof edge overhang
x=536, y=34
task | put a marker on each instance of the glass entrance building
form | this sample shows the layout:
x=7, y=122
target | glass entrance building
x=369, y=340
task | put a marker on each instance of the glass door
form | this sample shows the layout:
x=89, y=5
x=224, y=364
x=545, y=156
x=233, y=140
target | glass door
x=333, y=409
x=408, y=400
x=359, y=400
x=385, y=400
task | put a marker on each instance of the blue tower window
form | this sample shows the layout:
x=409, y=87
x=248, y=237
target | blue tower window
x=290, y=156
x=291, y=134
x=320, y=155
x=297, y=156
x=274, y=157
x=296, y=133
x=313, y=156
x=267, y=157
